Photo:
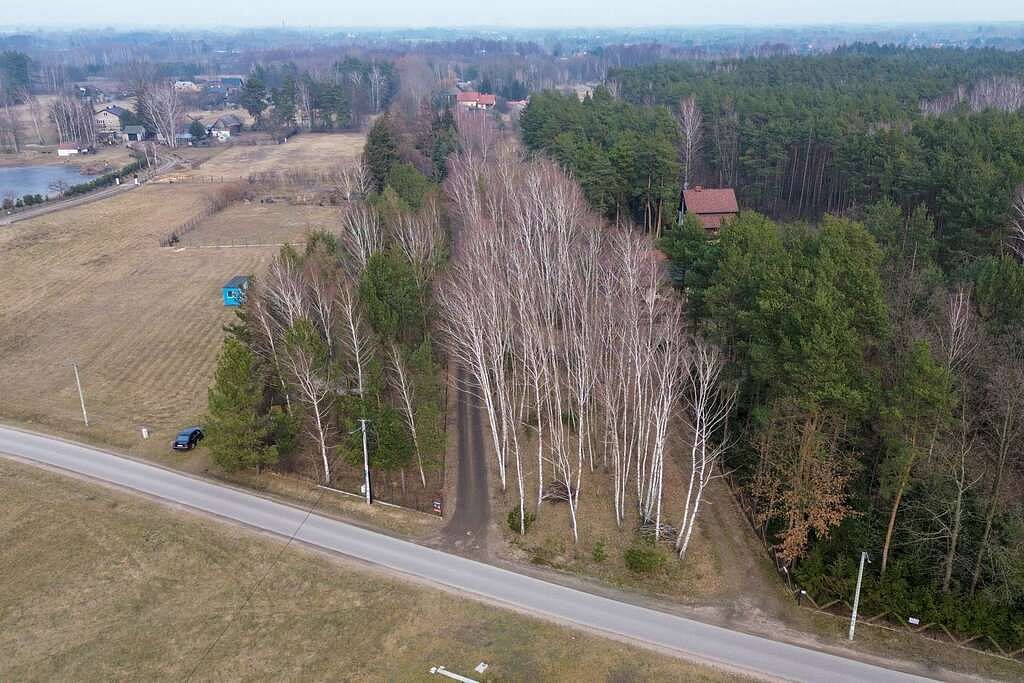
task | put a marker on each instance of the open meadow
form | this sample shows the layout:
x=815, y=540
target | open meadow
x=98, y=584
x=306, y=153
x=91, y=285
x=259, y=223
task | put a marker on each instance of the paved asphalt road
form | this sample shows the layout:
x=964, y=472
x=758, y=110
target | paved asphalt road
x=700, y=641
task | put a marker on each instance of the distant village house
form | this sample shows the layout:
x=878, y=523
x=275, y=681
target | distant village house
x=476, y=100
x=712, y=207
x=109, y=120
x=224, y=127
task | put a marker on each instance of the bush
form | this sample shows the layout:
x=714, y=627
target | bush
x=644, y=558
x=599, y=553
x=106, y=179
x=513, y=519
x=409, y=184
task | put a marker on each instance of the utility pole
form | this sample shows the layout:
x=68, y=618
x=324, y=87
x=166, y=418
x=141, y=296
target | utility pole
x=856, y=596
x=366, y=463
x=81, y=396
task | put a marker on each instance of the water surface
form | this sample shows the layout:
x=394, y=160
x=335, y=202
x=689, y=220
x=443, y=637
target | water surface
x=18, y=181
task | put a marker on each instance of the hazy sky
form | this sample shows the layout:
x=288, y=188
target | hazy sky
x=526, y=13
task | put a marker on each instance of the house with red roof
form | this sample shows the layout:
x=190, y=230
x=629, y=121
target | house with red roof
x=476, y=100
x=711, y=206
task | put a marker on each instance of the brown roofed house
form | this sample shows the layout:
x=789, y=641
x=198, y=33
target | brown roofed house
x=476, y=100
x=711, y=206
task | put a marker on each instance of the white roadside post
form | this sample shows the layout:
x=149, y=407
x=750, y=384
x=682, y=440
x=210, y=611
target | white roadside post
x=441, y=671
x=81, y=396
x=856, y=596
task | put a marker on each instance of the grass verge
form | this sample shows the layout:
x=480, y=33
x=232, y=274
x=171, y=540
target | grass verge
x=99, y=585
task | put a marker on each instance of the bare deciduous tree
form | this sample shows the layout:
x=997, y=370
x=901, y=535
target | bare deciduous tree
x=1003, y=434
x=691, y=123
x=1016, y=239
x=310, y=372
x=403, y=385
x=357, y=340
x=161, y=104
x=566, y=327
x=362, y=236
x=709, y=403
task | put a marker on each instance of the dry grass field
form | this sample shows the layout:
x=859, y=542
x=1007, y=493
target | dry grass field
x=90, y=284
x=99, y=585
x=256, y=223
x=107, y=157
x=306, y=152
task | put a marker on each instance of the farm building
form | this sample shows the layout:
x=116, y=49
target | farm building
x=225, y=126
x=476, y=100
x=712, y=207
x=134, y=133
x=233, y=290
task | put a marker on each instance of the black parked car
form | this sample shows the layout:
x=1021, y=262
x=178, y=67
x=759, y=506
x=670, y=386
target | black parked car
x=188, y=438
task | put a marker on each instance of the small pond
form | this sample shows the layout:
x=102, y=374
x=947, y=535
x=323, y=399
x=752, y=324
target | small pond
x=18, y=181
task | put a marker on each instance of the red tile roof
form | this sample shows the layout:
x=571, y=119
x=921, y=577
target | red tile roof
x=715, y=201
x=480, y=99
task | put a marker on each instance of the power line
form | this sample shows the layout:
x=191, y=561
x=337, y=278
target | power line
x=256, y=586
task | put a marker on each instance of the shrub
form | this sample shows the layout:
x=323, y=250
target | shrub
x=644, y=558
x=513, y=519
x=599, y=553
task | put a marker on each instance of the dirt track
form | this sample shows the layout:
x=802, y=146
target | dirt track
x=466, y=531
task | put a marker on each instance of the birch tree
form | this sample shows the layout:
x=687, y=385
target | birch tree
x=1016, y=239
x=161, y=104
x=362, y=236
x=691, y=123
x=709, y=404
x=403, y=385
x=305, y=357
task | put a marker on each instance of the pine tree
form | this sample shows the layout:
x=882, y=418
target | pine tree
x=380, y=152
x=237, y=433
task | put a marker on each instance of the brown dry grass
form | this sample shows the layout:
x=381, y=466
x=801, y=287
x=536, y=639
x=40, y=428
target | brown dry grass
x=302, y=153
x=90, y=284
x=256, y=223
x=113, y=156
x=549, y=541
x=101, y=585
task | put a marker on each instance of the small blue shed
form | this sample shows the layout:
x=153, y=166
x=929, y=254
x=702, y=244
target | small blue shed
x=233, y=290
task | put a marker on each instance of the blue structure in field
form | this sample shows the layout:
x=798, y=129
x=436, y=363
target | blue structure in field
x=234, y=290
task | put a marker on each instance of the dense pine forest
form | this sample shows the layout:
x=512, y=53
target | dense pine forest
x=869, y=298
